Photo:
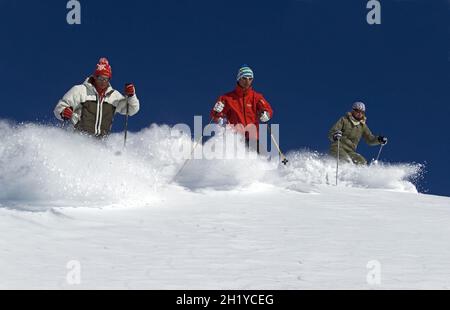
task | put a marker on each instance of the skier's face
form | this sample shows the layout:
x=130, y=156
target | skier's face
x=358, y=114
x=102, y=82
x=245, y=82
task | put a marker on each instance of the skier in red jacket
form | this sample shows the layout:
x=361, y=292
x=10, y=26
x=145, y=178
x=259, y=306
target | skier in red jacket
x=243, y=107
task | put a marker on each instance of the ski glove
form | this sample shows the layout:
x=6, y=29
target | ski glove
x=382, y=140
x=337, y=135
x=265, y=117
x=67, y=113
x=130, y=90
x=219, y=107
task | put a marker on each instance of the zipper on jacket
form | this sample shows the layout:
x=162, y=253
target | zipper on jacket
x=97, y=115
x=101, y=117
x=243, y=106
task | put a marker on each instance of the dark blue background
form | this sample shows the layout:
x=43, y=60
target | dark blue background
x=311, y=59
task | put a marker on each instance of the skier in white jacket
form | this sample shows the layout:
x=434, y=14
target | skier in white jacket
x=91, y=106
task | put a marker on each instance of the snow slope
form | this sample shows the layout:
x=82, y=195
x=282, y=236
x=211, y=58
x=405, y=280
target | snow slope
x=223, y=224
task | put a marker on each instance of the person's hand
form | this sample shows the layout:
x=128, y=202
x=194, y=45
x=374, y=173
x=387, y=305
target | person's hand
x=67, y=113
x=337, y=135
x=264, y=117
x=382, y=140
x=130, y=90
x=218, y=107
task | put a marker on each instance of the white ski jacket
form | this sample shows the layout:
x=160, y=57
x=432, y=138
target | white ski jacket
x=89, y=114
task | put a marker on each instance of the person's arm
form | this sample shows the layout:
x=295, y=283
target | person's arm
x=133, y=101
x=71, y=100
x=219, y=110
x=338, y=127
x=264, y=106
x=369, y=137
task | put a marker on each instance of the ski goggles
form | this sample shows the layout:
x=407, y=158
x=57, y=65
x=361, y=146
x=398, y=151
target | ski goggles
x=102, y=78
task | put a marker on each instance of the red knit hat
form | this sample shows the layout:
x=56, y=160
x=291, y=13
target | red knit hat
x=103, y=68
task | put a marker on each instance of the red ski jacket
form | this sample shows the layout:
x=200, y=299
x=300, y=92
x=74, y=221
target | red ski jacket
x=243, y=107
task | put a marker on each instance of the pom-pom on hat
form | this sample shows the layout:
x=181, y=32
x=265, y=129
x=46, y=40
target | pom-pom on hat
x=103, y=68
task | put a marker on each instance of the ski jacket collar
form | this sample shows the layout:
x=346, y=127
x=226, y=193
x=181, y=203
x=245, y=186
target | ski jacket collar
x=89, y=83
x=354, y=121
x=241, y=92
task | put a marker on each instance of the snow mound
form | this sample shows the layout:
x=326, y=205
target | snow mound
x=50, y=166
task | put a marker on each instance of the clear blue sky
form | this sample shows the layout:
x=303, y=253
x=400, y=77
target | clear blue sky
x=312, y=59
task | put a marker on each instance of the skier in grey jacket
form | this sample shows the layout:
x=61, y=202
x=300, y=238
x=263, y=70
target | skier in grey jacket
x=91, y=106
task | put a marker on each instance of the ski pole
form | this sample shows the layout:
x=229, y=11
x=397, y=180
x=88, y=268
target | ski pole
x=187, y=160
x=126, y=124
x=337, y=161
x=379, y=152
x=284, y=159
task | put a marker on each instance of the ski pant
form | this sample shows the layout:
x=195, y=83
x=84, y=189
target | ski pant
x=251, y=146
x=347, y=155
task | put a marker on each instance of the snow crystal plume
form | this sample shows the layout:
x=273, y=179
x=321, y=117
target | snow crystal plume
x=49, y=166
x=53, y=167
x=231, y=167
x=314, y=168
x=304, y=171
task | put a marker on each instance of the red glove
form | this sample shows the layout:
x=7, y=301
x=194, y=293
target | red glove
x=130, y=90
x=67, y=113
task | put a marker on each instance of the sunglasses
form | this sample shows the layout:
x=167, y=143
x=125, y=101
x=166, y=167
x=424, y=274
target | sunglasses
x=247, y=78
x=102, y=78
x=358, y=111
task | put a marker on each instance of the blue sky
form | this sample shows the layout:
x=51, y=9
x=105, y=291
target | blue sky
x=311, y=59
